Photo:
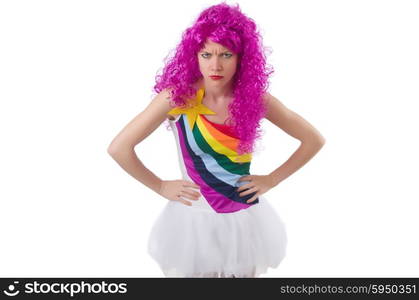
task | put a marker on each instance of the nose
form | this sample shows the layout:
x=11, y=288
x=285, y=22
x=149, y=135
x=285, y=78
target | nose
x=216, y=64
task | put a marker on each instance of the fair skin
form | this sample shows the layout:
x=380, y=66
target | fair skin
x=213, y=61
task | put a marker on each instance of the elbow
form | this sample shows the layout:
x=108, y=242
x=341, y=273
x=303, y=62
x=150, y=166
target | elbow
x=113, y=149
x=317, y=141
x=322, y=141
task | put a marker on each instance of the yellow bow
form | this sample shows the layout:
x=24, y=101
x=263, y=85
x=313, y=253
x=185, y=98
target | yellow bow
x=193, y=111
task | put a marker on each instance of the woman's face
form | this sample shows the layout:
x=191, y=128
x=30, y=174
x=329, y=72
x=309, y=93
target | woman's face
x=215, y=59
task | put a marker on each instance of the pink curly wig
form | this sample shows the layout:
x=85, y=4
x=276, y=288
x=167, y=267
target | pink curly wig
x=228, y=26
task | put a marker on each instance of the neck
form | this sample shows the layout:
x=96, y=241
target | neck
x=214, y=93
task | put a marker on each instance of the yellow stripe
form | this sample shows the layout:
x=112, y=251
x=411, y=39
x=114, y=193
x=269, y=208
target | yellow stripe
x=220, y=148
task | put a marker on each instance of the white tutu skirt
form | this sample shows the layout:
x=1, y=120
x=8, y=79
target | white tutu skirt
x=187, y=241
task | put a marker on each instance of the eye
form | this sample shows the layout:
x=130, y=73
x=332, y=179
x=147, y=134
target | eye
x=204, y=55
x=228, y=55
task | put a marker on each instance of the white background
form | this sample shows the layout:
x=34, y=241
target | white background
x=74, y=73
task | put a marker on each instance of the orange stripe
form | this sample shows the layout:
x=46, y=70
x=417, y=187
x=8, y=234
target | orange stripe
x=222, y=138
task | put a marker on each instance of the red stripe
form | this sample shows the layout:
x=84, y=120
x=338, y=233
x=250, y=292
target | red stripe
x=224, y=128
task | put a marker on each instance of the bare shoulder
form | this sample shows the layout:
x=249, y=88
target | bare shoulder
x=276, y=111
x=289, y=121
x=157, y=109
x=144, y=123
x=162, y=99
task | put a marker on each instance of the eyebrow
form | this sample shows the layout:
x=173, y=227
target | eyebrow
x=210, y=52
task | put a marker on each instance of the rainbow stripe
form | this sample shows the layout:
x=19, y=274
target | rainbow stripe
x=211, y=160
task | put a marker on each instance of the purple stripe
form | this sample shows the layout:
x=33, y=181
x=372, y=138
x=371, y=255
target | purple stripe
x=218, y=202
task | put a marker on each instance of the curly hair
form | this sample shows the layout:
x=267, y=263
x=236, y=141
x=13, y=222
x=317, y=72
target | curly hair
x=228, y=26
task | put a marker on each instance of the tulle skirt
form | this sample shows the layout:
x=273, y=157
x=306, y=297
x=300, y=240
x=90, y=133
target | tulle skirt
x=189, y=241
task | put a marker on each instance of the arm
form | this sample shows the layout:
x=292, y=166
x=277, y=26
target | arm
x=293, y=124
x=122, y=146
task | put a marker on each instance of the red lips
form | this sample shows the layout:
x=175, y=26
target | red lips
x=216, y=77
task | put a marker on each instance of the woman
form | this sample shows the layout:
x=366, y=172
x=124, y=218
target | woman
x=213, y=93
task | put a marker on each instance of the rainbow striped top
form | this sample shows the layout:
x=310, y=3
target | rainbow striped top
x=210, y=158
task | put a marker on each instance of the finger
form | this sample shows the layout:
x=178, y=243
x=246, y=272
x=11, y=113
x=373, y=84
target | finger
x=245, y=187
x=180, y=199
x=186, y=202
x=244, y=178
x=249, y=191
x=190, y=184
x=191, y=195
x=192, y=192
x=252, y=199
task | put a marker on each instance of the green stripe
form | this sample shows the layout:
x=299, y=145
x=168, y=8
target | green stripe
x=223, y=160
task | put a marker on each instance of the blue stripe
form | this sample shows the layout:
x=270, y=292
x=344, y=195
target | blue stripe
x=206, y=166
